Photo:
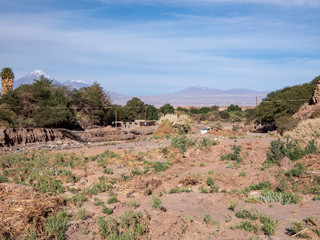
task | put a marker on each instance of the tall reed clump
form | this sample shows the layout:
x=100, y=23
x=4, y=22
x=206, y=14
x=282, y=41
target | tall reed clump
x=180, y=123
x=306, y=131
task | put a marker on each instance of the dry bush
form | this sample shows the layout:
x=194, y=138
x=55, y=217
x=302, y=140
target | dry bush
x=170, y=123
x=306, y=131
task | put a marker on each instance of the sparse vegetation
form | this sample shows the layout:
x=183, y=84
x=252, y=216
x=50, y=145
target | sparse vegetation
x=182, y=143
x=279, y=149
x=156, y=202
x=56, y=226
x=268, y=224
x=130, y=225
x=235, y=156
x=233, y=205
x=209, y=220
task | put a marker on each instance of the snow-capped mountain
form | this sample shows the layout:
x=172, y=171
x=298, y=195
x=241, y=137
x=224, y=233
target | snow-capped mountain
x=35, y=75
x=29, y=78
x=77, y=84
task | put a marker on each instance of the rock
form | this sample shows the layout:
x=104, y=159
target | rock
x=286, y=163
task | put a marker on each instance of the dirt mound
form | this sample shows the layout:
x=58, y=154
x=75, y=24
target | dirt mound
x=23, y=210
x=14, y=136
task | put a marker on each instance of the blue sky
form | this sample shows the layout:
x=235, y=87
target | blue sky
x=142, y=47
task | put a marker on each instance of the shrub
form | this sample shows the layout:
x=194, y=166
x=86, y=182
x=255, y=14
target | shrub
x=160, y=166
x=298, y=170
x=203, y=189
x=148, y=191
x=297, y=227
x=259, y=186
x=235, y=156
x=233, y=205
x=279, y=149
x=136, y=171
x=51, y=186
x=106, y=210
x=289, y=198
x=112, y=200
x=131, y=226
x=248, y=226
x=78, y=200
x=179, y=190
x=206, y=142
x=269, y=225
x=210, y=181
x=214, y=188
x=284, y=198
x=208, y=219
x=82, y=214
x=182, y=143
x=156, y=202
x=248, y=214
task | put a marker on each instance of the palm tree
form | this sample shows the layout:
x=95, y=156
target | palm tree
x=7, y=77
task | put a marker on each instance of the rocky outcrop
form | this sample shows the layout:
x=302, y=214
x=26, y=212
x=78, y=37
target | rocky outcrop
x=316, y=94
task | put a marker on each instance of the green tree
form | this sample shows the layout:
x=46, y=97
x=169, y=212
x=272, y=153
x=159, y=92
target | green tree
x=167, y=109
x=194, y=110
x=181, y=109
x=285, y=102
x=152, y=113
x=204, y=110
x=55, y=112
x=215, y=108
x=91, y=103
x=234, y=108
x=135, y=109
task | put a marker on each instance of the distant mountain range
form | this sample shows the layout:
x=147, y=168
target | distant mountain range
x=35, y=75
x=202, y=96
x=192, y=96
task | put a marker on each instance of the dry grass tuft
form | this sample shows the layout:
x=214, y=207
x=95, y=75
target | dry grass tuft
x=306, y=131
x=175, y=120
x=165, y=128
x=171, y=123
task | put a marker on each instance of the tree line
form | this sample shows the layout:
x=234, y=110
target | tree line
x=43, y=104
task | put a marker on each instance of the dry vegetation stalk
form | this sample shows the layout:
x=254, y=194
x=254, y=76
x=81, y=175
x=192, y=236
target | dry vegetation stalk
x=23, y=210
